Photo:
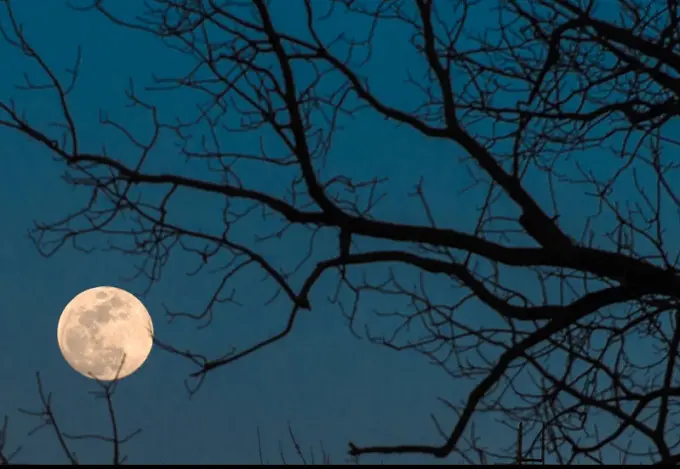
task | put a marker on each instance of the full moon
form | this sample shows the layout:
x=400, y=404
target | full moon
x=102, y=328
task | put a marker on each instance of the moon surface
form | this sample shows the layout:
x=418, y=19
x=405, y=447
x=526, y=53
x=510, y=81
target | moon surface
x=101, y=328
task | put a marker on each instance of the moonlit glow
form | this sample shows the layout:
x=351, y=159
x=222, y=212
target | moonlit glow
x=103, y=327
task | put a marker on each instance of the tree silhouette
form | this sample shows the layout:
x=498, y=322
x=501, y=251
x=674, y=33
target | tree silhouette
x=560, y=111
x=46, y=415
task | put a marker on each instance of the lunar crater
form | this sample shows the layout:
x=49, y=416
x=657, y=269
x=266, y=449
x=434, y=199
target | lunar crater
x=103, y=327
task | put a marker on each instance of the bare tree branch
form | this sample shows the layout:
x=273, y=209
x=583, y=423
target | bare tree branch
x=560, y=114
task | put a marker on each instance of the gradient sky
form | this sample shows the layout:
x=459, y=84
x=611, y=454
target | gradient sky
x=329, y=385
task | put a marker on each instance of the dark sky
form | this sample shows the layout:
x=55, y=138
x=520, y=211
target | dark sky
x=329, y=385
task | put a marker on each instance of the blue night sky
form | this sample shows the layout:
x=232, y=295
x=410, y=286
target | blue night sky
x=331, y=386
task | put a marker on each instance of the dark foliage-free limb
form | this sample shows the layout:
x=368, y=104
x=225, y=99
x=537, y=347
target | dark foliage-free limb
x=556, y=85
x=48, y=419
